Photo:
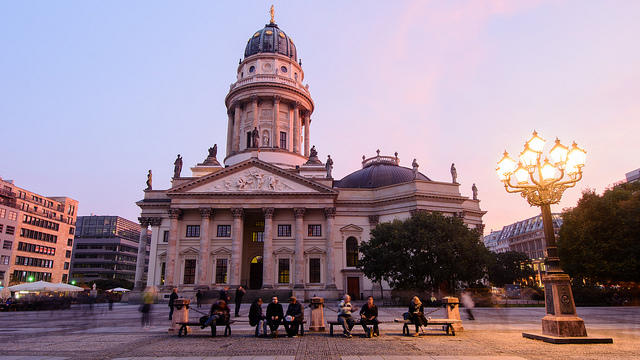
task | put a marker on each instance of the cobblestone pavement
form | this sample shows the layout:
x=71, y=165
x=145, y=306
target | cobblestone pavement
x=495, y=334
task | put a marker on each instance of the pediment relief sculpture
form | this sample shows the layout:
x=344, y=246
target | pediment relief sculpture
x=252, y=180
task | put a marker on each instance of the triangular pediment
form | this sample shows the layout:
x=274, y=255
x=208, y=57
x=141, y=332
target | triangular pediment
x=251, y=177
x=221, y=252
x=314, y=250
x=351, y=228
x=284, y=251
x=190, y=251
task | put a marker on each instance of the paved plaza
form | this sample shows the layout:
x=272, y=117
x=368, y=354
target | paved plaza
x=495, y=334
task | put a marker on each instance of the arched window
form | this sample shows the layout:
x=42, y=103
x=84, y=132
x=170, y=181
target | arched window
x=352, y=251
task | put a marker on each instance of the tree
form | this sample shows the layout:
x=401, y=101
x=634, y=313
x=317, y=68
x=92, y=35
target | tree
x=424, y=252
x=509, y=267
x=600, y=238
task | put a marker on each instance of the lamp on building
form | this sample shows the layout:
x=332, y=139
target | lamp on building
x=542, y=181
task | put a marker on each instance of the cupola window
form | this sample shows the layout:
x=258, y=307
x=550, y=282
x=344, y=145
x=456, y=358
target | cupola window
x=283, y=69
x=252, y=69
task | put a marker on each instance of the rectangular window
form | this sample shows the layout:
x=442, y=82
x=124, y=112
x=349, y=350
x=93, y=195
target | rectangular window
x=7, y=245
x=314, y=271
x=13, y=215
x=248, y=139
x=2, y=213
x=284, y=230
x=257, y=236
x=165, y=236
x=315, y=230
x=1, y=227
x=4, y=260
x=66, y=266
x=224, y=231
x=283, y=140
x=189, y=271
x=221, y=271
x=68, y=254
x=71, y=231
x=193, y=231
x=10, y=230
x=163, y=266
x=69, y=242
x=64, y=278
x=283, y=271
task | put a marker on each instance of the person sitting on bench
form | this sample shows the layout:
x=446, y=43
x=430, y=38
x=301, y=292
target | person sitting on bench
x=369, y=316
x=219, y=313
x=416, y=314
x=274, y=316
x=256, y=318
x=294, y=317
x=344, y=316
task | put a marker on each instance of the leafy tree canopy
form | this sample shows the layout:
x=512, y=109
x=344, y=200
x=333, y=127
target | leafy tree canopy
x=509, y=267
x=600, y=238
x=423, y=252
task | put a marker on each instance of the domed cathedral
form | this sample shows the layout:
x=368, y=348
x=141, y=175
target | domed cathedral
x=272, y=217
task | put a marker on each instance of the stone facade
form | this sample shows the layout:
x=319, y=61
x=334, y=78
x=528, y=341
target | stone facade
x=272, y=218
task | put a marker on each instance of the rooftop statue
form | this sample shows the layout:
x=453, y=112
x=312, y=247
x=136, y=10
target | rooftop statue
x=149, y=177
x=213, y=151
x=255, y=138
x=474, y=190
x=454, y=174
x=329, y=166
x=313, y=152
x=177, y=167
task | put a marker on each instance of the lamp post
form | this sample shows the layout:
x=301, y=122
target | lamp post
x=542, y=183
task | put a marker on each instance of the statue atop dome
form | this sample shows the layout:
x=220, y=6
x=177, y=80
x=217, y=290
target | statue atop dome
x=272, y=12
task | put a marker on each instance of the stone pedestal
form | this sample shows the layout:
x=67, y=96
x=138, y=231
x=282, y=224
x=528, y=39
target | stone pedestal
x=452, y=305
x=180, y=314
x=317, y=314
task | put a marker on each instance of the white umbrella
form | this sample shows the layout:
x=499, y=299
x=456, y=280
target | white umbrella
x=64, y=287
x=44, y=286
x=118, y=289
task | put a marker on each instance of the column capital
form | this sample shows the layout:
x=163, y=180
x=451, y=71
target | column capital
x=276, y=99
x=174, y=213
x=374, y=220
x=144, y=221
x=330, y=212
x=268, y=212
x=205, y=212
x=237, y=212
x=254, y=98
x=155, y=221
x=298, y=212
x=296, y=105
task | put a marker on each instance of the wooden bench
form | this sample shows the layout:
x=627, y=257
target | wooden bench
x=337, y=323
x=301, y=328
x=446, y=324
x=183, y=328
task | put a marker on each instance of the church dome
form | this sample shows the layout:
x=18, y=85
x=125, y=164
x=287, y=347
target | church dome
x=378, y=172
x=270, y=39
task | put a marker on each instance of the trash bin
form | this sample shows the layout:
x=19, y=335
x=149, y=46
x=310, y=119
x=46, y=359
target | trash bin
x=180, y=315
x=317, y=314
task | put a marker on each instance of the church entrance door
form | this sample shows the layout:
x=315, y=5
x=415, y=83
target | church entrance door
x=353, y=287
x=255, y=273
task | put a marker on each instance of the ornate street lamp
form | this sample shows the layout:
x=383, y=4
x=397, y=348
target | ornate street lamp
x=542, y=181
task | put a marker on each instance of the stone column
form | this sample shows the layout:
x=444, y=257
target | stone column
x=330, y=277
x=307, y=141
x=142, y=247
x=276, y=122
x=204, y=254
x=236, y=127
x=299, y=249
x=172, y=248
x=295, y=138
x=236, y=246
x=267, y=255
x=229, y=132
x=254, y=102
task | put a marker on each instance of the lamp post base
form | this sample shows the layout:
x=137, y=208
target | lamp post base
x=563, y=326
x=567, y=340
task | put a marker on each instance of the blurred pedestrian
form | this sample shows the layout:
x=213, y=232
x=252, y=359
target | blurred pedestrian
x=145, y=309
x=467, y=301
x=199, y=298
x=240, y=291
x=172, y=299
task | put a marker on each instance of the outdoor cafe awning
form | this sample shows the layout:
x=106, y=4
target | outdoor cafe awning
x=44, y=286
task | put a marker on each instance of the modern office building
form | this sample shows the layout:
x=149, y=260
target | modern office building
x=42, y=230
x=525, y=236
x=106, y=247
x=633, y=176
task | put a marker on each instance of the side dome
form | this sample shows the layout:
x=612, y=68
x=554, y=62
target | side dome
x=270, y=39
x=379, y=175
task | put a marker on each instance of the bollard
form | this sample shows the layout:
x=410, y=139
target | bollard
x=317, y=314
x=453, y=311
x=180, y=314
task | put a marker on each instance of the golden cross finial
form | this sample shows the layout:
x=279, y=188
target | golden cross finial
x=271, y=11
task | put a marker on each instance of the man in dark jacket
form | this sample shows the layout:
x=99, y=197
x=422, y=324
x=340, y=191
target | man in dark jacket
x=369, y=316
x=199, y=298
x=256, y=318
x=219, y=314
x=223, y=294
x=274, y=316
x=240, y=291
x=172, y=298
x=294, y=317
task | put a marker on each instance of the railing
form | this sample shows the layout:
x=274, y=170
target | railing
x=269, y=78
x=9, y=193
x=380, y=159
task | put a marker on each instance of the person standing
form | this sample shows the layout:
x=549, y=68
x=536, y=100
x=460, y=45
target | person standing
x=172, y=299
x=240, y=291
x=416, y=314
x=256, y=318
x=223, y=294
x=369, y=316
x=145, y=309
x=199, y=298
x=467, y=301
x=294, y=317
x=274, y=316
x=344, y=315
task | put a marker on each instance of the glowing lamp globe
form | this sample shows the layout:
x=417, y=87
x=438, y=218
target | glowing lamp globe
x=536, y=143
x=548, y=171
x=528, y=156
x=558, y=153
